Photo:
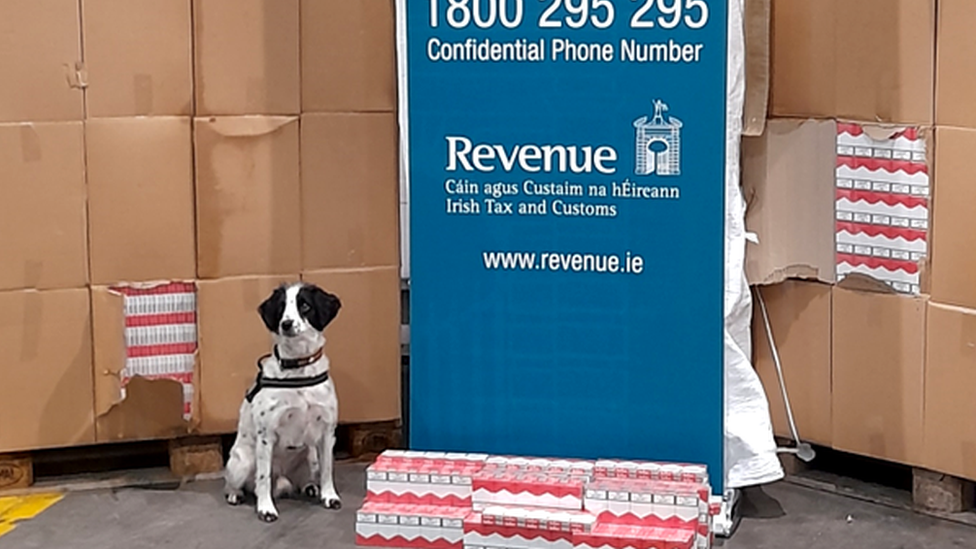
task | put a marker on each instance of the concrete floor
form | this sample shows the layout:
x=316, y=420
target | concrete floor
x=197, y=517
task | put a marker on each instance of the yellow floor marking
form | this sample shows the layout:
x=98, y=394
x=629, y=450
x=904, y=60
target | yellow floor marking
x=16, y=509
x=6, y=504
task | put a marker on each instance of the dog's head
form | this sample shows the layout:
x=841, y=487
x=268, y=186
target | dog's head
x=294, y=310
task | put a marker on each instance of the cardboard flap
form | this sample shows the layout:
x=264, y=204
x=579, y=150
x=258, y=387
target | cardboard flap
x=788, y=178
x=757, y=23
x=863, y=283
x=108, y=313
x=151, y=409
x=882, y=132
x=248, y=126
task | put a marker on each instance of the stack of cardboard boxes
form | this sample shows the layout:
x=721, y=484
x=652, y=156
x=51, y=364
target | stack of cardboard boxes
x=167, y=164
x=860, y=195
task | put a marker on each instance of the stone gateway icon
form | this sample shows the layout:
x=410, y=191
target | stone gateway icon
x=658, y=143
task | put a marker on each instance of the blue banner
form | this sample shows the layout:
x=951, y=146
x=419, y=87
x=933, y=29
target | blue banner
x=567, y=182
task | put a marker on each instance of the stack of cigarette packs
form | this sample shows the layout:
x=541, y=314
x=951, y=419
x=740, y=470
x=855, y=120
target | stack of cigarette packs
x=433, y=500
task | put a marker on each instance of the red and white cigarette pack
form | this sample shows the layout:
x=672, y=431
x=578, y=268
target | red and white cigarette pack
x=410, y=526
x=624, y=536
x=423, y=478
x=527, y=488
x=525, y=528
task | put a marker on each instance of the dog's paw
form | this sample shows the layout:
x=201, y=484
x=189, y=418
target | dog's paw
x=311, y=491
x=332, y=502
x=234, y=499
x=268, y=516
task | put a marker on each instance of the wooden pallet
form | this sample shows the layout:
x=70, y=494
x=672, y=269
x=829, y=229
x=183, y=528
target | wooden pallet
x=886, y=483
x=183, y=457
x=366, y=440
x=942, y=493
x=16, y=471
x=163, y=462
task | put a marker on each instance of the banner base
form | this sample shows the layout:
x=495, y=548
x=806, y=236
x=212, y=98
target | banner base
x=727, y=521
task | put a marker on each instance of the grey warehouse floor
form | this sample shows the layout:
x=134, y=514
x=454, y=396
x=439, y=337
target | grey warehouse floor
x=196, y=516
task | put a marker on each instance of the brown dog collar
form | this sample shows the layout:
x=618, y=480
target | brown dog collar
x=293, y=363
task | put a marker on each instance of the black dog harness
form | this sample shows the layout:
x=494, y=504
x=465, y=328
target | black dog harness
x=261, y=382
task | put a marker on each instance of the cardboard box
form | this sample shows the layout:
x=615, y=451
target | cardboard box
x=41, y=58
x=46, y=396
x=955, y=77
x=827, y=200
x=800, y=318
x=878, y=374
x=953, y=225
x=43, y=227
x=138, y=55
x=364, y=341
x=348, y=56
x=788, y=185
x=350, y=188
x=247, y=57
x=248, y=196
x=140, y=184
x=145, y=339
x=232, y=339
x=950, y=374
x=869, y=60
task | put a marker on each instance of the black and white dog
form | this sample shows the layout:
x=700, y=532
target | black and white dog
x=286, y=430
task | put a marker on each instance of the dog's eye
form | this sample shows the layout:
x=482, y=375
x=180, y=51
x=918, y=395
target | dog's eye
x=304, y=308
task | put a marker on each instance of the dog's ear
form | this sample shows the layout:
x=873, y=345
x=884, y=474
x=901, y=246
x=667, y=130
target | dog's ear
x=272, y=309
x=324, y=306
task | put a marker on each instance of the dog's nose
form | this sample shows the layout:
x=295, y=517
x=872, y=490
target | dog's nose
x=287, y=325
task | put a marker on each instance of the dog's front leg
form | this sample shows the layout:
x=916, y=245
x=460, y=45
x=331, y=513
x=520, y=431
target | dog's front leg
x=330, y=498
x=311, y=489
x=262, y=481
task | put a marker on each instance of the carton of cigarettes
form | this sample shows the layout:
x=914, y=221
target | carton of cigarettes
x=524, y=488
x=606, y=468
x=427, y=480
x=621, y=536
x=414, y=460
x=523, y=528
x=410, y=526
x=646, y=502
